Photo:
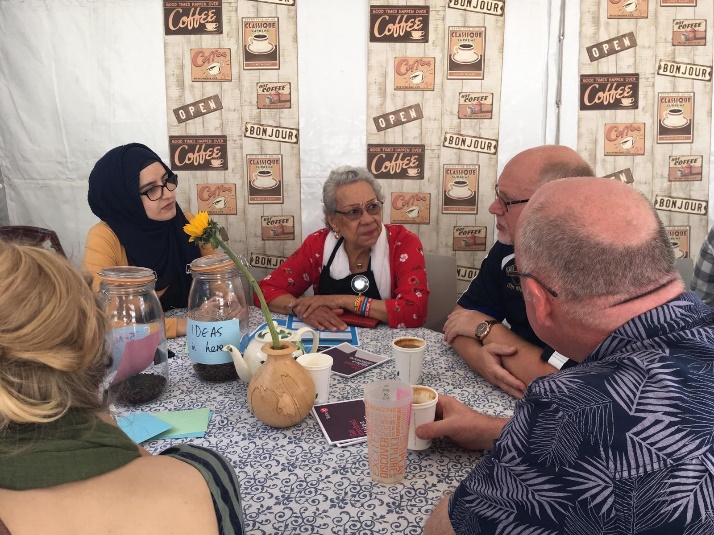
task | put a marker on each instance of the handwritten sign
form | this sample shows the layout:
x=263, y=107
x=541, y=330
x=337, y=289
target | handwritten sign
x=205, y=340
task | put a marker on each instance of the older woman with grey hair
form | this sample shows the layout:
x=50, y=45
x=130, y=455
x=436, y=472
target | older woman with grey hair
x=356, y=264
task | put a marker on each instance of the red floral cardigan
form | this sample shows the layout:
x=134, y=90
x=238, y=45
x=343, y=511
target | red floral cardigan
x=407, y=305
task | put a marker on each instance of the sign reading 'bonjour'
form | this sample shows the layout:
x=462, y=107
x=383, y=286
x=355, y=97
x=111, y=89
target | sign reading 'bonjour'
x=489, y=7
x=271, y=133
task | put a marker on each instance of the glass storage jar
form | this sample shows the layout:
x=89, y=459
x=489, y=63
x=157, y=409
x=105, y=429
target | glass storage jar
x=140, y=370
x=217, y=316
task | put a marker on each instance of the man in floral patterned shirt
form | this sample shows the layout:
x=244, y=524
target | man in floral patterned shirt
x=621, y=443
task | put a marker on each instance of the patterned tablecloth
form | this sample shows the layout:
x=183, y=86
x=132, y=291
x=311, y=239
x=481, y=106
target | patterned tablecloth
x=293, y=481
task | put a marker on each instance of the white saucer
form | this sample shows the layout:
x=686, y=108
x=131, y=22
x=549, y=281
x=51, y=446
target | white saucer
x=685, y=123
x=412, y=37
x=212, y=30
x=272, y=47
x=627, y=105
x=460, y=197
x=476, y=58
x=221, y=165
x=678, y=253
x=268, y=185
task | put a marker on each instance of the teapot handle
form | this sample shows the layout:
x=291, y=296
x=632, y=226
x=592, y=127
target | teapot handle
x=315, y=337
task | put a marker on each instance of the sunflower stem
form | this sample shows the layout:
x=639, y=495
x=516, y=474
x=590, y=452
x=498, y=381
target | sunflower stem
x=256, y=288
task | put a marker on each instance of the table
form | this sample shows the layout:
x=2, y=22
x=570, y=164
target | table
x=293, y=481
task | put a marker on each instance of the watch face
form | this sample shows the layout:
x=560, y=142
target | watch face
x=482, y=329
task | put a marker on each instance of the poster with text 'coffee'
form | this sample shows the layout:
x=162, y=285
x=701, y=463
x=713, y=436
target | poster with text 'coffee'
x=433, y=110
x=645, y=105
x=233, y=119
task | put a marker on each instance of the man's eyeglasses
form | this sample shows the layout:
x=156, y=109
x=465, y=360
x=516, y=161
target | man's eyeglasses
x=506, y=203
x=516, y=273
x=156, y=192
x=372, y=208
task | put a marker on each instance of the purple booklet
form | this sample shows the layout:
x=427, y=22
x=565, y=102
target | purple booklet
x=342, y=422
x=348, y=360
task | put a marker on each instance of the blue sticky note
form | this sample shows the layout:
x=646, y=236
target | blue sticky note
x=141, y=426
x=205, y=340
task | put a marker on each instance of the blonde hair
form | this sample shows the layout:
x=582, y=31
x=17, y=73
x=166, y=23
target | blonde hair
x=52, y=338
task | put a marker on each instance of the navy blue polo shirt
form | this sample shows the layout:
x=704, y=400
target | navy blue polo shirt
x=494, y=293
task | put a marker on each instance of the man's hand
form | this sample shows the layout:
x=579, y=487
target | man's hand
x=464, y=426
x=462, y=322
x=488, y=363
x=325, y=318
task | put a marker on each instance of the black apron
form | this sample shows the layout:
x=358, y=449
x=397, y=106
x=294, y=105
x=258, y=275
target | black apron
x=330, y=286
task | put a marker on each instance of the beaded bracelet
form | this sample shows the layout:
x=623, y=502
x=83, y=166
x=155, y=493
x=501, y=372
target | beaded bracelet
x=367, y=307
x=358, y=303
x=363, y=307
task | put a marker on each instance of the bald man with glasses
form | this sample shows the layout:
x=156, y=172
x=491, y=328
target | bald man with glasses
x=509, y=358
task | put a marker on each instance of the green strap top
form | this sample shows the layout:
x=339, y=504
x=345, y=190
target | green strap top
x=76, y=447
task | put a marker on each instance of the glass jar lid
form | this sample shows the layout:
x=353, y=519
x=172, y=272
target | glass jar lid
x=211, y=262
x=127, y=274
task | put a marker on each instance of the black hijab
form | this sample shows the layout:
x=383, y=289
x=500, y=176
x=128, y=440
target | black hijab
x=159, y=245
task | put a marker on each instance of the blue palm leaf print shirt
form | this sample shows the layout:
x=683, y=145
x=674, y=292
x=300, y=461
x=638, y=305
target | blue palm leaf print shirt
x=620, y=444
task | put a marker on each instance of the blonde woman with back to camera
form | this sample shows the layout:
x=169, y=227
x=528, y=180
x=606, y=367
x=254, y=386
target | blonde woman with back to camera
x=65, y=466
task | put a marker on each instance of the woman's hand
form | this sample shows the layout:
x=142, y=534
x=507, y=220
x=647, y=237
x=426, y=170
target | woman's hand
x=305, y=306
x=325, y=318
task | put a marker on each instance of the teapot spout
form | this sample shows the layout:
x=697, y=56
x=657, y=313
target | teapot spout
x=241, y=367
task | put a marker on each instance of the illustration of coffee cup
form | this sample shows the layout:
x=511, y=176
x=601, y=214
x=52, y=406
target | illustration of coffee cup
x=268, y=99
x=413, y=171
x=674, y=117
x=263, y=173
x=628, y=142
x=259, y=43
x=630, y=6
x=211, y=26
x=417, y=34
x=685, y=36
x=214, y=69
x=412, y=212
x=273, y=231
x=216, y=162
x=627, y=101
x=464, y=242
x=465, y=53
x=417, y=77
x=219, y=202
x=680, y=172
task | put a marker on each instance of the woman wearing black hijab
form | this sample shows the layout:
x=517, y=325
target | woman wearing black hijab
x=132, y=191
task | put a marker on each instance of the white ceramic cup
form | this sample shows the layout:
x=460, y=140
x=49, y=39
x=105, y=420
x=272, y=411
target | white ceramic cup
x=318, y=366
x=408, y=353
x=423, y=411
x=412, y=212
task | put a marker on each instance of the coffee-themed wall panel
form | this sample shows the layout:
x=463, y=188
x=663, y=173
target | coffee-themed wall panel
x=435, y=70
x=231, y=71
x=645, y=106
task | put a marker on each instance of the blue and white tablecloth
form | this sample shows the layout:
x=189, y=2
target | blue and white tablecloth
x=293, y=481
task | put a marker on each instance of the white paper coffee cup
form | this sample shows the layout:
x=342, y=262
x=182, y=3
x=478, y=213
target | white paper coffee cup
x=408, y=353
x=423, y=412
x=319, y=366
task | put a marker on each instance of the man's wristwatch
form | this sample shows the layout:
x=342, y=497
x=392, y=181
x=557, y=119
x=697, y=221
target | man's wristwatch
x=483, y=328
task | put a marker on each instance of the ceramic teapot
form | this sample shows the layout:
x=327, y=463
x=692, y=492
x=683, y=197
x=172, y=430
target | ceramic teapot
x=253, y=358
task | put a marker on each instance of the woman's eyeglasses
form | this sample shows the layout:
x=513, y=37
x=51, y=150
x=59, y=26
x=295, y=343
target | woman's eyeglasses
x=156, y=192
x=516, y=273
x=506, y=203
x=372, y=208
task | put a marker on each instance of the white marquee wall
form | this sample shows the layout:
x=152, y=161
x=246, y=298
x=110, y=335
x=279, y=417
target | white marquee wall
x=79, y=77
